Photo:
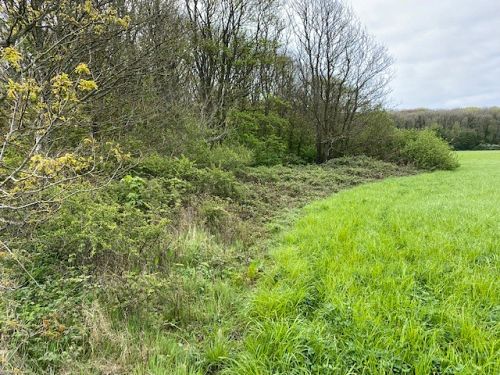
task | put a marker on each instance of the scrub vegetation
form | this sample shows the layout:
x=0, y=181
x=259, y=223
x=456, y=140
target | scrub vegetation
x=149, y=273
x=153, y=151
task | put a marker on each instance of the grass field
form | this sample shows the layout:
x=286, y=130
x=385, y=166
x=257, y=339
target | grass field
x=400, y=276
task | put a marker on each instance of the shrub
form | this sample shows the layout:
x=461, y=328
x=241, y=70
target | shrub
x=424, y=149
x=215, y=181
x=271, y=151
x=308, y=152
x=132, y=188
x=293, y=159
x=98, y=231
x=375, y=136
x=214, y=215
x=262, y=132
x=228, y=157
x=181, y=177
x=156, y=165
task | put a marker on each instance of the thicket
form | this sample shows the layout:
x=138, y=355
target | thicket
x=143, y=145
x=424, y=149
x=161, y=254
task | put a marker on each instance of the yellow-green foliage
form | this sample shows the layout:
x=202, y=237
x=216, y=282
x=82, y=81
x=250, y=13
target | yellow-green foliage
x=43, y=100
x=12, y=56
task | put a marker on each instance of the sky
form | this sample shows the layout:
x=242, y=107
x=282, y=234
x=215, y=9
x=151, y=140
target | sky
x=446, y=52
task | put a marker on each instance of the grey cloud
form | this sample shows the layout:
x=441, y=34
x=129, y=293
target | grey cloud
x=447, y=52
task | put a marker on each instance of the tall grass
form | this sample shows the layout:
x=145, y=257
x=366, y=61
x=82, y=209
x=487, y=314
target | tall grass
x=400, y=276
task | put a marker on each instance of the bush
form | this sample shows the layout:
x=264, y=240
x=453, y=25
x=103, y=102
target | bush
x=262, y=132
x=215, y=181
x=99, y=231
x=156, y=165
x=91, y=234
x=228, y=157
x=424, y=149
x=181, y=177
x=376, y=136
x=270, y=152
x=214, y=215
x=293, y=159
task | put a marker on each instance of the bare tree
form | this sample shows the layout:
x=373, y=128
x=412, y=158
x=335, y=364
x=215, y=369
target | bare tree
x=341, y=69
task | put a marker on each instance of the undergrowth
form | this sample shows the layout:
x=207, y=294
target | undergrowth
x=149, y=274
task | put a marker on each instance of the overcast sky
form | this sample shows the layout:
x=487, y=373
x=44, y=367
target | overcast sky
x=447, y=52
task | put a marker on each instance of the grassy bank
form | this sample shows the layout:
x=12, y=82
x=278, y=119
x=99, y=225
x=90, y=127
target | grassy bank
x=394, y=277
x=150, y=274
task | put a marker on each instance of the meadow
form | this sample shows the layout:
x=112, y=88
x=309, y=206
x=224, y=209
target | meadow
x=399, y=276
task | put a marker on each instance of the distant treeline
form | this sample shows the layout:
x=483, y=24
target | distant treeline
x=464, y=129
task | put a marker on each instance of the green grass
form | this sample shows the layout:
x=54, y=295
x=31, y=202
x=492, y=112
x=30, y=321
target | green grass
x=399, y=276
x=165, y=291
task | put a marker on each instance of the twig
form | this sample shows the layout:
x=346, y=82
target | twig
x=19, y=262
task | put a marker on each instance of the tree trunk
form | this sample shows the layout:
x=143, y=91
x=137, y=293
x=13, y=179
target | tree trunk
x=321, y=149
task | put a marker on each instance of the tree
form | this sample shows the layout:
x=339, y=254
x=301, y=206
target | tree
x=341, y=69
x=47, y=47
x=228, y=40
x=464, y=128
